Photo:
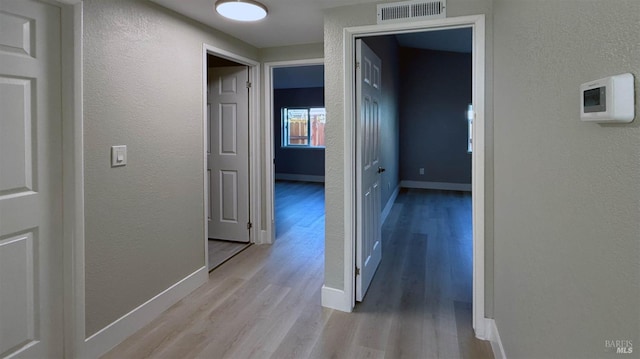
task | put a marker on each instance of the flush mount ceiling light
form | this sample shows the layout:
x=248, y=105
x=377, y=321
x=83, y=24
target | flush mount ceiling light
x=241, y=10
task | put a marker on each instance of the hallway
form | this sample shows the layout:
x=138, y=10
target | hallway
x=265, y=302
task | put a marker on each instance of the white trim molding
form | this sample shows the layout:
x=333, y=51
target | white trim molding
x=477, y=24
x=335, y=299
x=72, y=176
x=477, y=169
x=492, y=335
x=264, y=237
x=268, y=156
x=389, y=205
x=113, y=334
x=297, y=177
x=445, y=186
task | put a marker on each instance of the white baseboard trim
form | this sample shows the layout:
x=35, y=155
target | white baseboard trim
x=297, y=177
x=390, y=202
x=335, y=299
x=492, y=335
x=264, y=237
x=483, y=329
x=466, y=187
x=116, y=332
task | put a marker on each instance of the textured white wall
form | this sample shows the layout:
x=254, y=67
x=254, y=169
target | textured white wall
x=294, y=52
x=335, y=21
x=143, y=89
x=567, y=193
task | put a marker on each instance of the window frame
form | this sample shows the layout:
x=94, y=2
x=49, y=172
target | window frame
x=285, y=126
x=470, y=116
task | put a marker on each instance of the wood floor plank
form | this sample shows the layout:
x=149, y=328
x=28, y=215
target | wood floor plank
x=303, y=334
x=265, y=302
x=336, y=338
x=221, y=251
x=405, y=338
x=162, y=332
x=384, y=296
x=361, y=352
x=271, y=328
x=234, y=325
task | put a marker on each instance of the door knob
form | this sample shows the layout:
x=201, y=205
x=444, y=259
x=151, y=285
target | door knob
x=381, y=169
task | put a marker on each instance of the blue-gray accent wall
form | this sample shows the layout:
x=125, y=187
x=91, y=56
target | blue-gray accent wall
x=435, y=92
x=298, y=77
x=296, y=161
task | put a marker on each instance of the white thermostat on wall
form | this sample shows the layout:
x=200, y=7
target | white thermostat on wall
x=608, y=100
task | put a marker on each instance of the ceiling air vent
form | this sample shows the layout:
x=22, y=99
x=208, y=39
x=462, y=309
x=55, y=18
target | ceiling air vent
x=411, y=11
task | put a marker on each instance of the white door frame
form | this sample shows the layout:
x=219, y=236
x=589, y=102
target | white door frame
x=72, y=176
x=477, y=24
x=254, y=140
x=269, y=232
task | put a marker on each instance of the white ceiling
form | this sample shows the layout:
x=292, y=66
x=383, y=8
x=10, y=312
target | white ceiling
x=290, y=22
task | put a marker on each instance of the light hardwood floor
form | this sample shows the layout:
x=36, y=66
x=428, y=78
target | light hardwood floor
x=221, y=251
x=265, y=302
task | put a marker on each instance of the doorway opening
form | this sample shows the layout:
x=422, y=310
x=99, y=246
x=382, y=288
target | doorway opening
x=299, y=119
x=413, y=94
x=295, y=118
x=353, y=219
x=229, y=117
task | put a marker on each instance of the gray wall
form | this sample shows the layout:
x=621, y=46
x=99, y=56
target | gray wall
x=386, y=47
x=293, y=52
x=334, y=23
x=567, y=193
x=291, y=160
x=435, y=93
x=142, y=88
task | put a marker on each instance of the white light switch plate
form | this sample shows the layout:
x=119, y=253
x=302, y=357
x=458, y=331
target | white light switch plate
x=118, y=156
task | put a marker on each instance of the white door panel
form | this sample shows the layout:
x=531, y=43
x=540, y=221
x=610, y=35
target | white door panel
x=368, y=240
x=228, y=153
x=30, y=180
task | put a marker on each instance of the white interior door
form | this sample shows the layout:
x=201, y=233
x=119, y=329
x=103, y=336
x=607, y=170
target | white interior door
x=228, y=153
x=31, y=289
x=368, y=240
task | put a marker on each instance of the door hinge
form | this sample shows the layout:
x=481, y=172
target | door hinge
x=248, y=84
x=357, y=65
x=357, y=271
x=249, y=225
